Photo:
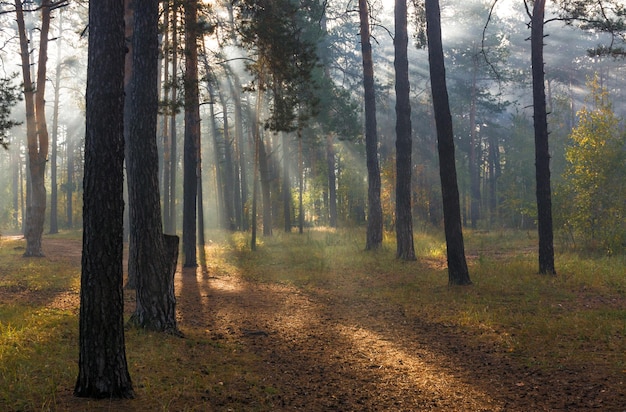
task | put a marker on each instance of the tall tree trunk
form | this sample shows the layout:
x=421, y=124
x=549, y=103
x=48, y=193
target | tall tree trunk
x=474, y=159
x=229, y=181
x=404, y=217
x=167, y=141
x=266, y=191
x=458, y=273
x=255, y=179
x=192, y=134
x=332, y=180
x=374, y=237
x=171, y=227
x=69, y=185
x=286, y=189
x=147, y=257
x=15, y=185
x=102, y=366
x=219, y=178
x=241, y=193
x=300, y=184
x=542, y=152
x=36, y=129
x=54, y=187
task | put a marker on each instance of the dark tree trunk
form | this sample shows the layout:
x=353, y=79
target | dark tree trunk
x=102, y=366
x=458, y=273
x=266, y=191
x=404, y=218
x=241, y=194
x=167, y=141
x=229, y=181
x=300, y=185
x=542, y=153
x=192, y=134
x=69, y=205
x=286, y=184
x=170, y=226
x=332, y=180
x=374, y=235
x=54, y=187
x=147, y=258
x=474, y=159
x=219, y=175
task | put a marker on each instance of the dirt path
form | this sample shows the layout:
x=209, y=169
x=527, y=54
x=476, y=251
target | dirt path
x=329, y=351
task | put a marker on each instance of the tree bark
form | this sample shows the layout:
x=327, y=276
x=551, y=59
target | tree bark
x=192, y=134
x=458, y=273
x=147, y=258
x=332, y=180
x=404, y=217
x=36, y=130
x=374, y=237
x=542, y=152
x=54, y=187
x=286, y=189
x=102, y=366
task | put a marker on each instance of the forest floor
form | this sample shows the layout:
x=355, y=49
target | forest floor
x=330, y=349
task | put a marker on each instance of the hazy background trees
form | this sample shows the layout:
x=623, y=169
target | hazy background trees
x=314, y=172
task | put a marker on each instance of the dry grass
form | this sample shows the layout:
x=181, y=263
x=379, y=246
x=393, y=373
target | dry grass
x=575, y=318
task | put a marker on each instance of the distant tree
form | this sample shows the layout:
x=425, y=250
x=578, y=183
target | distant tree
x=374, y=237
x=404, y=217
x=458, y=273
x=102, y=366
x=542, y=151
x=149, y=258
x=36, y=129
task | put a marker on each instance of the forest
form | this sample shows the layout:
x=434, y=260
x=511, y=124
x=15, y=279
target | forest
x=312, y=204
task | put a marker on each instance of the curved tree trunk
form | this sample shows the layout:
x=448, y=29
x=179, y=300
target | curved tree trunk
x=36, y=129
x=374, y=238
x=458, y=273
x=404, y=217
x=542, y=153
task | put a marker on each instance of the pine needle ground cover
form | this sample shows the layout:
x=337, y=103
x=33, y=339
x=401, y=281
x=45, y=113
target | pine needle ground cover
x=314, y=322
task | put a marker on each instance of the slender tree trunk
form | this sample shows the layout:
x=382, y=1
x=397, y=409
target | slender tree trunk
x=229, y=181
x=167, y=141
x=219, y=178
x=15, y=188
x=542, y=152
x=404, y=217
x=266, y=192
x=102, y=366
x=300, y=184
x=241, y=194
x=458, y=273
x=54, y=194
x=286, y=184
x=171, y=228
x=374, y=235
x=474, y=160
x=255, y=179
x=332, y=180
x=192, y=134
x=69, y=205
